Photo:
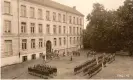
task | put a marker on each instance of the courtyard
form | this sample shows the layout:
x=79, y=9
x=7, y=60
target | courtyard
x=121, y=68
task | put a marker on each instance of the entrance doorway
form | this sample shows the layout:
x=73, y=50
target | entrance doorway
x=48, y=47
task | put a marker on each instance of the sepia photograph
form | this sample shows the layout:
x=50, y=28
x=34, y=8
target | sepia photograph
x=66, y=39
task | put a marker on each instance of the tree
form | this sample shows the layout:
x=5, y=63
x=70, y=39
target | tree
x=125, y=14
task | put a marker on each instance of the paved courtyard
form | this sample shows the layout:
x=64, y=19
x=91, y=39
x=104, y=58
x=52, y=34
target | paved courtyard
x=119, y=69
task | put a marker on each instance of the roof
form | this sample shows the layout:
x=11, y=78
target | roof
x=50, y=3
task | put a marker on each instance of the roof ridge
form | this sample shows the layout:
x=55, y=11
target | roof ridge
x=54, y=4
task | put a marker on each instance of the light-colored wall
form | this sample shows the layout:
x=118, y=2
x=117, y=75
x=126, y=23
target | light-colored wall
x=16, y=39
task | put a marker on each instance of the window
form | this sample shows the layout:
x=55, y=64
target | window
x=73, y=20
x=77, y=39
x=74, y=40
x=7, y=26
x=41, y=55
x=77, y=30
x=64, y=41
x=40, y=28
x=7, y=7
x=70, y=20
x=40, y=13
x=70, y=40
x=24, y=44
x=80, y=21
x=59, y=17
x=47, y=15
x=33, y=56
x=40, y=43
x=64, y=28
x=80, y=39
x=23, y=11
x=48, y=29
x=59, y=29
x=64, y=18
x=32, y=43
x=32, y=12
x=24, y=58
x=70, y=30
x=54, y=16
x=54, y=29
x=54, y=41
x=73, y=30
x=23, y=27
x=77, y=21
x=59, y=41
x=8, y=47
x=80, y=30
x=32, y=27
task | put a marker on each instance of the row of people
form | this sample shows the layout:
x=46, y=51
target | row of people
x=43, y=69
x=76, y=53
x=93, y=69
x=91, y=53
x=78, y=68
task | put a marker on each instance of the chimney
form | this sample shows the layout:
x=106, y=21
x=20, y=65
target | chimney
x=74, y=7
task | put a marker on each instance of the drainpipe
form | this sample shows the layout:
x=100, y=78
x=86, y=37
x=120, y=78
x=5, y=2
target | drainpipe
x=67, y=32
x=18, y=32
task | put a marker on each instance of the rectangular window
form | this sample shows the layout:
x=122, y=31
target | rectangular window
x=47, y=15
x=32, y=27
x=70, y=19
x=80, y=21
x=73, y=30
x=23, y=27
x=40, y=43
x=64, y=41
x=7, y=7
x=73, y=20
x=59, y=41
x=24, y=44
x=74, y=40
x=54, y=16
x=23, y=11
x=77, y=30
x=64, y=28
x=8, y=47
x=24, y=58
x=77, y=39
x=59, y=17
x=48, y=29
x=54, y=29
x=64, y=18
x=59, y=29
x=33, y=43
x=40, y=13
x=40, y=28
x=77, y=21
x=80, y=30
x=70, y=40
x=32, y=12
x=70, y=30
x=55, y=42
x=7, y=26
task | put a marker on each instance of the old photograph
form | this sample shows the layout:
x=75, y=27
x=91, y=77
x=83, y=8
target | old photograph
x=66, y=39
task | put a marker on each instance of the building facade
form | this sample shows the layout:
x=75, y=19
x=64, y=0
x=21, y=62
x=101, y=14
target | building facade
x=31, y=28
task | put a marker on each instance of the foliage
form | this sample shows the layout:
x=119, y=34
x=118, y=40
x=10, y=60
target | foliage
x=110, y=31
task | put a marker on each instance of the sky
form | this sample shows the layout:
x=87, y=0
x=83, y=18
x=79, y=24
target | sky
x=86, y=6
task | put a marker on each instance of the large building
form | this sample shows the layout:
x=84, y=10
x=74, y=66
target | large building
x=31, y=28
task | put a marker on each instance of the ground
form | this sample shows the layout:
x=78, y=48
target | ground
x=121, y=68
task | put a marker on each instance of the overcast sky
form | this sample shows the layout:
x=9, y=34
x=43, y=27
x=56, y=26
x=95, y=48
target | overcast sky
x=85, y=6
